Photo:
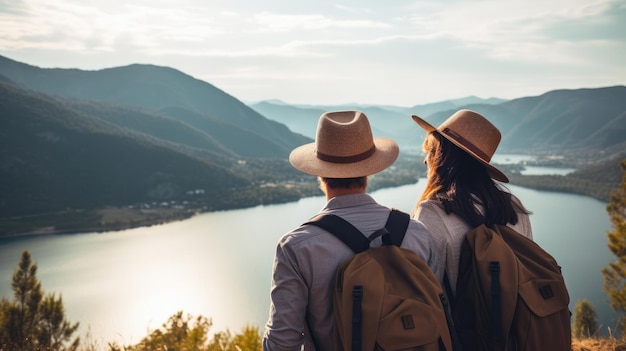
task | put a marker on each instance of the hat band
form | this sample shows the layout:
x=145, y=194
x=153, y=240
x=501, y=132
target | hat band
x=345, y=159
x=467, y=144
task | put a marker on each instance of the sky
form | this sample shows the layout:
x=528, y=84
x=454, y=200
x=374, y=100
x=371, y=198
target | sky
x=324, y=52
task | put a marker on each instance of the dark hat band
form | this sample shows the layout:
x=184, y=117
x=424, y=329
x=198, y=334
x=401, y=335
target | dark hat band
x=466, y=143
x=345, y=159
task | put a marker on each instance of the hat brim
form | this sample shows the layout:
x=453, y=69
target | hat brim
x=493, y=172
x=304, y=159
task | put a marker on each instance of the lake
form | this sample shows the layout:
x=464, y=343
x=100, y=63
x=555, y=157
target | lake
x=120, y=285
x=530, y=170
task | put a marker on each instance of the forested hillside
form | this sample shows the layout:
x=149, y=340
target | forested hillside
x=55, y=157
x=164, y=91
x=559, y=121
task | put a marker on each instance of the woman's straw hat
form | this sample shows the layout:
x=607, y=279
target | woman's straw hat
x=344, y=148
x=474, y=134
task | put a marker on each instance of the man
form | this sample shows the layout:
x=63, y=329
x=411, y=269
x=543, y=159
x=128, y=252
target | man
x=343, y=155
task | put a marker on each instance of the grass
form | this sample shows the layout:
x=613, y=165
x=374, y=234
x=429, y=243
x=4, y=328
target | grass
x=599, y=344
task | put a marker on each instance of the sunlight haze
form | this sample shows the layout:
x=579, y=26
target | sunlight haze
x=332, y=52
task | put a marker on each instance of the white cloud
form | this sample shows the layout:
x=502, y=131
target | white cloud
x=513, y=30
x=280, y=22
x=373, y=49
x=355, y=10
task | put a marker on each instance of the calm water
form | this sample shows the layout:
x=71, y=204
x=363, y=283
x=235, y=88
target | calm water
x=530, y=170
x=122, y=284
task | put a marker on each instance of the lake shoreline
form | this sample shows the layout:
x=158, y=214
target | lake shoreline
x=117, y=219
x=112, y=219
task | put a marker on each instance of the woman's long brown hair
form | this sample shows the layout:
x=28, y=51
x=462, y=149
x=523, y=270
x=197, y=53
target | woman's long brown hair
x=460, y=181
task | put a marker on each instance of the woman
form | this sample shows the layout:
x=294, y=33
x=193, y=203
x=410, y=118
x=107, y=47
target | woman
x=460, y=190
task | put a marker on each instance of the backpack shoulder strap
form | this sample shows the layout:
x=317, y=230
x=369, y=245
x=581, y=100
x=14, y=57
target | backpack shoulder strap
x=397, y=224
x=393, y=232
x=343, y=230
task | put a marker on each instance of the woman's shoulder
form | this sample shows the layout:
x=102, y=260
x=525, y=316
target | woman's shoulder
x=432, y=212
x=429, y=210
x=433, y=205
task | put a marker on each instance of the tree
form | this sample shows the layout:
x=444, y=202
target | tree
x=185, y=333
x=180, y=332
x=32, y=322
x=615, y=273
x=21, y=316
x=248, y=340
x=585, y=319
x=54, y=329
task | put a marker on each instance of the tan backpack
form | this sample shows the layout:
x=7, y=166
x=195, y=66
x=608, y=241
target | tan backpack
x=386, y=298
x=510, y=294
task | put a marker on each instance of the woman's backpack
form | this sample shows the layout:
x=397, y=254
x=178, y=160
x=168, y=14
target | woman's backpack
x=510, y=294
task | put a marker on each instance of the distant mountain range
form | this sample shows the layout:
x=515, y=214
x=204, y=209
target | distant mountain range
x=142, y=133
x=557, y=121
x=389, y=121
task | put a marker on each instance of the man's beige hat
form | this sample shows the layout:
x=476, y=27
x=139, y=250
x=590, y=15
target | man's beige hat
x=474, y=134
x=344, y=148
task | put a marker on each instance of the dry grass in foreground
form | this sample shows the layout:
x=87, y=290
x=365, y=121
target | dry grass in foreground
x=599, y=344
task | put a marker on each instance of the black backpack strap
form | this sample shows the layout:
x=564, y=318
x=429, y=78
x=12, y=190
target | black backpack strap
x=396, y=226
x=343, y=230
x=448, y=286
x=393, y=232
x=496, y=302
x=448, y=302
x=357, y=314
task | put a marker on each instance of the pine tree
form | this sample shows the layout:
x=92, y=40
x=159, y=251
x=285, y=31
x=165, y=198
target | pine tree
x=615, y=273
x=54, y=330
x=32, y=321
x=22, y=315
x=585, y=319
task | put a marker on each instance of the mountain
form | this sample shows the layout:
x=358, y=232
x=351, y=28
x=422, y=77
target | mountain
x=573, y=119
x=133, y=135
x=476, y=100
x=587, y=120
x=386, y=121
x=144, y=135
x=165, y=92
x=56, y=156
x=561, y=121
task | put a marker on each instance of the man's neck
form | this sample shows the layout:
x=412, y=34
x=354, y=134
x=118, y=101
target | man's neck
x=330, y=193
